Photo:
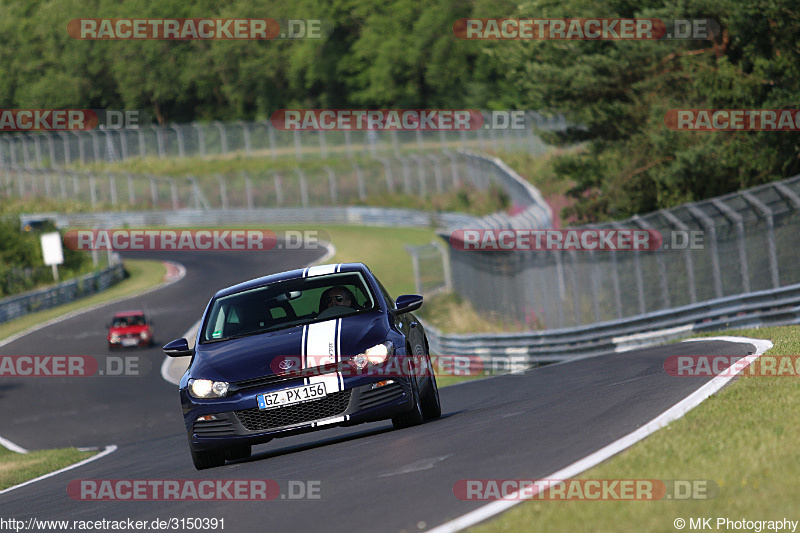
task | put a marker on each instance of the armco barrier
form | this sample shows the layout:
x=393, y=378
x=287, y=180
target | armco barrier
x=68, y=291
x=763, y=308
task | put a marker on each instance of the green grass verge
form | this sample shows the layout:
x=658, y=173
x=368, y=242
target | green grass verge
x=450, y=313
x=382, y=249
x=142, y=276
x=744, y=439
x=16, y=468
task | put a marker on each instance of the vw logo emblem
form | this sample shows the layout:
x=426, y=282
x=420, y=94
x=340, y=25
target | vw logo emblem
x=286, y=364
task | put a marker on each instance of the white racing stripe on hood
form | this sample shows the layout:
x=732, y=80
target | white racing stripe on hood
x=323, y=339
x=321, y=346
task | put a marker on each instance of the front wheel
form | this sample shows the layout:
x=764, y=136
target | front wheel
x=414, y=416
x=431, y=406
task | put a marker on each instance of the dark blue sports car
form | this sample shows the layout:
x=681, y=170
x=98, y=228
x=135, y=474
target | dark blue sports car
x=300, y=351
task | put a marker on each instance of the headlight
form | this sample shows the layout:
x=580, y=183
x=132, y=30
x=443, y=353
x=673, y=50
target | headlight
x=205, y=388
x=114, y=338
x=144, y=335
x=374, y=355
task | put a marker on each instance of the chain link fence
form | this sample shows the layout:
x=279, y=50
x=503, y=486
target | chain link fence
x=232, y=139
x=734, y=244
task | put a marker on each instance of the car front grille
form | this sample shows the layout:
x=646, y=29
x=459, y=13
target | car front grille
x=256, y=419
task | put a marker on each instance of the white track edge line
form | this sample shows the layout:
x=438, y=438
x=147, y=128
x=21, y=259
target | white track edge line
x=108, y=449
x=670, y=415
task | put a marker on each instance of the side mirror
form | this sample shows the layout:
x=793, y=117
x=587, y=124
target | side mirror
x=407, y=303
x=178, y=348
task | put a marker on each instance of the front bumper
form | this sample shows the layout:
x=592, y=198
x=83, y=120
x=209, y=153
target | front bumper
x=242, y=424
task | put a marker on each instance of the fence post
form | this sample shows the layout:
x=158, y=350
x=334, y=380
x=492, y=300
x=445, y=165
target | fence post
x=387, y=172
x=223, y=192
x=181, y=147
x=123, y=143
x=687, y=254
x=162, y=149
x=131, y=191
x=738, y=221
x=246, y=132
x=223, y=135
x=772, y=252
x=406, y=175
x=248, y=190
x=332, y=184
x=142, y=146
x=303, y=187
x=112, y=187
x=448, y=276
x=278, y=189
x=323, y=147
x=201, y=138
x=662, y=268
x=174, y=190
x=153, y=192
x=708, y=224
x=362, y=191
x=271, y=135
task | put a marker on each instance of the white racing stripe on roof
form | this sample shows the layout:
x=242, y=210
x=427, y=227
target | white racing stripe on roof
x=321, y=270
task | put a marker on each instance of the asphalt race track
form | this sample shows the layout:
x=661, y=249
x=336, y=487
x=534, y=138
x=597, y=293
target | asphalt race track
x=369, y=477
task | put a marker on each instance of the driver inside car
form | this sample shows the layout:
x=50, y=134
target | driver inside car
x=336, y=296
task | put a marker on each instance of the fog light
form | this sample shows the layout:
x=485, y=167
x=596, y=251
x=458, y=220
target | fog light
x=382, y=384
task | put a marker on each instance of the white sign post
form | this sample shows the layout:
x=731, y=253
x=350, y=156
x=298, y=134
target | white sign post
x=52, y=251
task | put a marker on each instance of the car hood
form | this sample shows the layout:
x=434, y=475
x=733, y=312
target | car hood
x=256, y=355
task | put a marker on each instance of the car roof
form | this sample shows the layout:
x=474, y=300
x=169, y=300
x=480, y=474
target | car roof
x=317, y=270
x=128, y=313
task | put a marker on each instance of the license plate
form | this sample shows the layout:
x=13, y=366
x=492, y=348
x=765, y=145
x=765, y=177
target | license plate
x=291, y=396
x=130, y=342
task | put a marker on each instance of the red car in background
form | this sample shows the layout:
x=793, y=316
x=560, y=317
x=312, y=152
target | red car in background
x=129, y=329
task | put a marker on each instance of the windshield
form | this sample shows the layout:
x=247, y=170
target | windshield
x=287, y=304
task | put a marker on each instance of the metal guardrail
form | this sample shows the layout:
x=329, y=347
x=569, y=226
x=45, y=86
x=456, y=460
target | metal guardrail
x=369, y=216
x=38, y=300
x=763, y=308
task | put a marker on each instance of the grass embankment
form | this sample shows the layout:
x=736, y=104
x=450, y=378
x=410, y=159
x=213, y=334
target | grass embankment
x=17, y=468
x=744, y=439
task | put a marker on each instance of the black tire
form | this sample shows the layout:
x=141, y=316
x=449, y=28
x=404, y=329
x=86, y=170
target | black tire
x=431, y=406
x=414, y=416
x=239, y=452
x=203, y=459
